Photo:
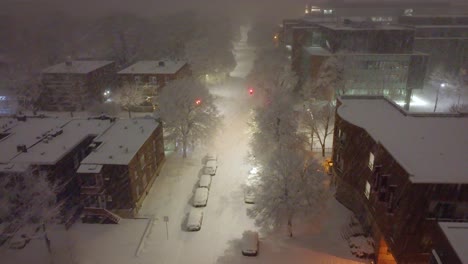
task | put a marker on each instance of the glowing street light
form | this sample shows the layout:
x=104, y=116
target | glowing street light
x=198, y=102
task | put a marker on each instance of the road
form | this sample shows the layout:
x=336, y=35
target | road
x=225, y=215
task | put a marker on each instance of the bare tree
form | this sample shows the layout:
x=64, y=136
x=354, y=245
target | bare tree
x=291, y=185
x=318, y=118
x=28, y=205
x=129, y=96
x=188, y=111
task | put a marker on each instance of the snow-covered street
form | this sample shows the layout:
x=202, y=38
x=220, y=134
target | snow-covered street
x=153, y=240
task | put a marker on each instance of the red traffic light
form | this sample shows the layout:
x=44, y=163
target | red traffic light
x=198, y=102
x=251, y=91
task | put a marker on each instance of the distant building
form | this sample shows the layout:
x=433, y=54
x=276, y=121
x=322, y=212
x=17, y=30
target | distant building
x=400, y=173
x=153, y=75
x=376, y=59
x=449, y=243
x=74, y=85
x=96, y=160
x=444, y=37
x=8, y=102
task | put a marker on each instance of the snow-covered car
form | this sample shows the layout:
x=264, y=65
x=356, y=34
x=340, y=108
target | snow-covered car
x=201, y=197
x=195, y=220
x=249, y=196
x=209, y=156
x=249, y=243
x=210, y=167
x=205, y=181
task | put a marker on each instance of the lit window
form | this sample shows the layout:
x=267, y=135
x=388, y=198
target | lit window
x=371, y=161
x=367, y=190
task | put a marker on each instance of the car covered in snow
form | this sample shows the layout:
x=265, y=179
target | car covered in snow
x=195, y=219
x=205, y=181
x=249, y=243
x=210, y=167
x=249, y=196
x=201, y=197
x=210, y=156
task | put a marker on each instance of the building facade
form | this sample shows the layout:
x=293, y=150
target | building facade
x=75, y=85
x=116, y=177
x=393, y=170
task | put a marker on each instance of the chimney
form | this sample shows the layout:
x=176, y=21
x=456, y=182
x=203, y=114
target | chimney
x=68, y=61
x=21, y=148
x=161, y=64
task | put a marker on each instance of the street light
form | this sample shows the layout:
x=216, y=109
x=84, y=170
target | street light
x=198, y=102
x=442, y=85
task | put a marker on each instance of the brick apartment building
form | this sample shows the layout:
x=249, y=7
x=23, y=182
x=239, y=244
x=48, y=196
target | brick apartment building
x=74, y=85
x=400, y=173
x=64, y=150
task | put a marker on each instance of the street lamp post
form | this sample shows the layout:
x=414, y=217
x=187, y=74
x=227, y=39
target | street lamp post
x=442, y=85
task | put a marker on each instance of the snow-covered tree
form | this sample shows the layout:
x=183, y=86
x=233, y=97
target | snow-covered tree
x=209, y=56
x=188, y=111
x=129, y=96
x=330, y=80
x=27, y=205
x=290, y=185
x=318, y=118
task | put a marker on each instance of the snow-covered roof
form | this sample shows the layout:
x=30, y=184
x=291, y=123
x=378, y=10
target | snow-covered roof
x=50, y=150
x=26, y=133
x=77, y=67
x=89, y=168
x=120, y=143
x=46, y=140
x=154, y=67
x=317, y=51
x=457, y=235
x=364, y=26
x=432, y=148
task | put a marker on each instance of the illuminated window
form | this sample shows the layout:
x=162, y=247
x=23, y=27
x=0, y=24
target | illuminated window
x=371, y=161
x=328, y=11
x=367, y=190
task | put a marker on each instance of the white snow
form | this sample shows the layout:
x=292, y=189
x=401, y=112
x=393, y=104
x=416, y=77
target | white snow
x=432, y=148
x=77, y=67
x=153, y=67
x=457, y=235
x=117, y=146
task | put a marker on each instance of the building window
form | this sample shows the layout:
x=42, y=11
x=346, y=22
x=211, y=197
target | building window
x=367, y=190
x=142, y=160
x=136, y=175
x=76, y=161
x=154, y=80
x=137, y=79
x=109, y=198
x=137, y=189
x=371, y=161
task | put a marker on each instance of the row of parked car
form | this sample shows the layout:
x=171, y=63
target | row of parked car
x=200, y=198
x=250, y=241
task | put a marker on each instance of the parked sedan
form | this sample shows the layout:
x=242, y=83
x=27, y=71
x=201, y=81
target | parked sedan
x=201, y=197
x=205, y=181
x=195, y=220
x=250, y=243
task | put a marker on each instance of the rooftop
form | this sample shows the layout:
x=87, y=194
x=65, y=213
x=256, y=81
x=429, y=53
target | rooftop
x=457, y=235
x=121, y=142
x=432, y=148
x=77, y=67
x=364, y=26
x=154, y=67
x=48, y=140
